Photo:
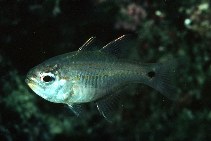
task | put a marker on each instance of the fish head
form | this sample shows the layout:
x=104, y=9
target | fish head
x=48, y=81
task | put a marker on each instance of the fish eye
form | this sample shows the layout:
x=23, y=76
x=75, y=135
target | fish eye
x=48, y=77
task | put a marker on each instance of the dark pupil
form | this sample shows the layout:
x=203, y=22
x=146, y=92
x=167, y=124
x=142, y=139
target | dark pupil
x=48, y=78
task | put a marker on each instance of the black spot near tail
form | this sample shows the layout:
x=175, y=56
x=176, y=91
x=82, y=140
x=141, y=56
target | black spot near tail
x=151, y=74
x=161, y=77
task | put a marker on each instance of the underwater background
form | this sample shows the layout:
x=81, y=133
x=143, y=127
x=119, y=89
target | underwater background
x=32, y=31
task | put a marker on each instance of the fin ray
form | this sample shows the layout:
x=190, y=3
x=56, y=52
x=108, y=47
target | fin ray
x=107, y=106
x=117, y=46
x=162, y=81
x=87, y=45
x=78, y=109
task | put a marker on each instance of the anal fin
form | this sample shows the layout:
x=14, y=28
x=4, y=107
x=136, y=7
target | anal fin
x=78, y=109
x=107, y=106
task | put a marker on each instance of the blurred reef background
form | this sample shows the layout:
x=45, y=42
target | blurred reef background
x=32, y=31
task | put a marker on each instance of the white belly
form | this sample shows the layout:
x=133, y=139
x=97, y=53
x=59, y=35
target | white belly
x=83, y=94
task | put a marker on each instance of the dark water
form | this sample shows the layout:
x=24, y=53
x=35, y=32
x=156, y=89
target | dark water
x=32, y=31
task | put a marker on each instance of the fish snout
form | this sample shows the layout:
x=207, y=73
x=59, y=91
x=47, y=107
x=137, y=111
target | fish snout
x=30, y=77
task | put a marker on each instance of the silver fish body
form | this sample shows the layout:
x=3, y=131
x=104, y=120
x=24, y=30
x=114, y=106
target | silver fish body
x=86, y=76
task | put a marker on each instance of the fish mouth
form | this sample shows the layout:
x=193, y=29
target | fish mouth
x=27, y=80
x=30, y=82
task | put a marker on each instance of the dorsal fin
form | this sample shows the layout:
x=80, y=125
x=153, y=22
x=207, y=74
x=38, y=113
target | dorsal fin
x=87, y=45
x=117, y=46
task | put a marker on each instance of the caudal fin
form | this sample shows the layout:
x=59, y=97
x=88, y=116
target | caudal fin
x=160, y=77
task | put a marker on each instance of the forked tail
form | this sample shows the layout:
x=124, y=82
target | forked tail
x=160, y=77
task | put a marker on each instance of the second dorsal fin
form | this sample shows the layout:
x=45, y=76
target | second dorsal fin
x=117, y=47
x=88, y=45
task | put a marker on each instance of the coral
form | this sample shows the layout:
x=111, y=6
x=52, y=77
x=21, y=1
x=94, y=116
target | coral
x=199, y=18
x=131, y=17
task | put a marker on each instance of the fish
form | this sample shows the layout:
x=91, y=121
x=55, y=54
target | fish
x=91, y=75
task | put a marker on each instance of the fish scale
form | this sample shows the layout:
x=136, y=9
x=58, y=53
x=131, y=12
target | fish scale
x=100, y=76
